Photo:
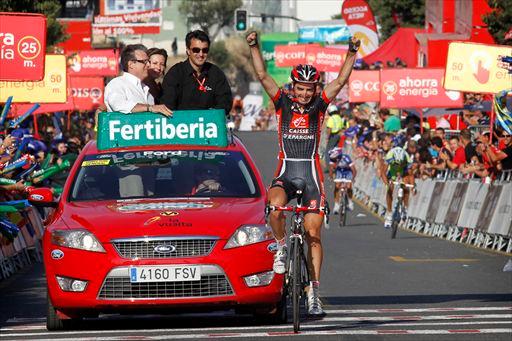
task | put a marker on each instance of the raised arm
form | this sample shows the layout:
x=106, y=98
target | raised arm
x=268, y=82
x=333, y=88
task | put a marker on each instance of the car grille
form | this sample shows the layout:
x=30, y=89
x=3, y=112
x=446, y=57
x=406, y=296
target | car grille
x=213, y=282
x=145, y=248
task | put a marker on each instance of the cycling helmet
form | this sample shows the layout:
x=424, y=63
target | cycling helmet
x=398, y=154
x=335, y=152
x=305, y=74
x=351, y=131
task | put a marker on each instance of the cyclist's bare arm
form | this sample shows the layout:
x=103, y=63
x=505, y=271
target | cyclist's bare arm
x=333, y=88
x=268, y=82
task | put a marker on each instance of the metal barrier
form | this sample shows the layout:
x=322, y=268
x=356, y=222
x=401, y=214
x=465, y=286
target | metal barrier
x=450, y=206
x=26, y=247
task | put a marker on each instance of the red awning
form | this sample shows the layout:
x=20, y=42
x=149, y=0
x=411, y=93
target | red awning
x=402, y=44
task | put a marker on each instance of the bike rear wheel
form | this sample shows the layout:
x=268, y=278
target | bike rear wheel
x=296, y=283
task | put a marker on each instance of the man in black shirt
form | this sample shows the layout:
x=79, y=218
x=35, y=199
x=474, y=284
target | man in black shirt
x=506, y=163
x=196, y=83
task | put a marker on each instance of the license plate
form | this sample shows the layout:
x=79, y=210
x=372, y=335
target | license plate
x=165, y=274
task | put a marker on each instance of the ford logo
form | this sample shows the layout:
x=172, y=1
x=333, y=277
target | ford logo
x=164, y=248
x=272, y=247
x=57, y=254
x=36, y=197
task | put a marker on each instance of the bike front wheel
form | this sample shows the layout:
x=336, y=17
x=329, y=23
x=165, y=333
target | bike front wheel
x=296, y=284
x=396, y=220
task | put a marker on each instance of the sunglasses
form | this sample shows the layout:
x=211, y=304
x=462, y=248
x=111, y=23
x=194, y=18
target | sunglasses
x=142, y=61
x=197, y=50
x=506, y=136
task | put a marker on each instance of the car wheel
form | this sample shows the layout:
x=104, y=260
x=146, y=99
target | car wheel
x=53, y=322
x=277, y=314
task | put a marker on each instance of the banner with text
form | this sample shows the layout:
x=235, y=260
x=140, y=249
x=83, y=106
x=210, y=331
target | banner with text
x=187, y=127
x=291, y=55
x=364, y=86
x=52, y=89
x=475, y=68
x=359, y=17
x=326, y=59
x=117, y=18
x=87, y=92
x=330, y=31
x=93, y=63
x=22, y=46
x=416, y=88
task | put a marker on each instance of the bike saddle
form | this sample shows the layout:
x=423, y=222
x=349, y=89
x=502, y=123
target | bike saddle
x=299, y=185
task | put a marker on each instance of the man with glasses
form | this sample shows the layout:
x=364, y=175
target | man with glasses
x=196, y=83
x=506, y=161
x=127, y=93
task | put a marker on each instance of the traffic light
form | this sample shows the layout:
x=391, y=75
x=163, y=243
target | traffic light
x=241, y=20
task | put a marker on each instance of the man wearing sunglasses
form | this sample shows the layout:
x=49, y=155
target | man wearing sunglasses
x=196, y=83
x=506, y=161
x=127, y=93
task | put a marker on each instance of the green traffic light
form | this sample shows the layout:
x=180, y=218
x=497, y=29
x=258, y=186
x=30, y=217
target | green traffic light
x=241, y=26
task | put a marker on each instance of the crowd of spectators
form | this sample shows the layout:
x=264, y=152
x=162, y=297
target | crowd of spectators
x=42, y=157
x=468, y=152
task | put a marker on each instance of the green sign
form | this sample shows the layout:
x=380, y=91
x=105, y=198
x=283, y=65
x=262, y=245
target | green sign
x=185, y=127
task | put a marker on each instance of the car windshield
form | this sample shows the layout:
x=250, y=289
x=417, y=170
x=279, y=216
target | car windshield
x=163, y=174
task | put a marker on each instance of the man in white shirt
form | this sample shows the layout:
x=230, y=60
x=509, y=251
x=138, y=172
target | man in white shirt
x=127, y=93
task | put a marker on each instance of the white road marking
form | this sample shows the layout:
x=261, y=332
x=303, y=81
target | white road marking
x=312, y=333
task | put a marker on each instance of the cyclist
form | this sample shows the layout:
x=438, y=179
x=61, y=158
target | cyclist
x=399, y=163
x=341, y=168
x=300, y=119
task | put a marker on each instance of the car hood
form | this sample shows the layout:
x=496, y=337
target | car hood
x=218, y=217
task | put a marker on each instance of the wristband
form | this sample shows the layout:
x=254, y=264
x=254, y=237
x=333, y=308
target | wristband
x=254, y=42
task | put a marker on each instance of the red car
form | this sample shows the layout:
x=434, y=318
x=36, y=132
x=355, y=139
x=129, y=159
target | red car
x=161, y=228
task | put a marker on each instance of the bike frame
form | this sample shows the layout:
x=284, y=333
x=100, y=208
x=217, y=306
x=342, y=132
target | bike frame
x=297, y=269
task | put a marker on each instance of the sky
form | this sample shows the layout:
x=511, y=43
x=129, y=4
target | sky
x=318, y=9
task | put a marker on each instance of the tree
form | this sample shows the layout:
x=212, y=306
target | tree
x=50, y=8
x=212, y=15
x=391, y=14
x=499, y=20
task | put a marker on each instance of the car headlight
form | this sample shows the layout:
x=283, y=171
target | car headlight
x=249, y=234
x=77, y=239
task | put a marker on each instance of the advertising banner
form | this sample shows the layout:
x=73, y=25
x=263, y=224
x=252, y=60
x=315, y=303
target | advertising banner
x=87, y=92
x=489, y=206
x=333, y=31
x=119, y=17
x=473, y=202
x=93, y=63
x=475, y=68
x=416, y=88
x=196, y=127
x=80, y=35
x=444, y=201
x=290, y=55
x=359, y=18
x=501, y=222
x=52, y=89
x=364, y=86
x=434, y=203
x=326, y=59
x=19, y=109
x=22, y=46
x=459, y=193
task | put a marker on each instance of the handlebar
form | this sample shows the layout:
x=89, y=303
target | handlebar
x=299, y=209
x=402, y=183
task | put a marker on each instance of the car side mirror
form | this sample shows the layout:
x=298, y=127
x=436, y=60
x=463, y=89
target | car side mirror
x=42, y=197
